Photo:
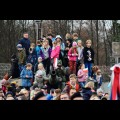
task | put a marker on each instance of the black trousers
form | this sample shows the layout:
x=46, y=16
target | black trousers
x=46, y=64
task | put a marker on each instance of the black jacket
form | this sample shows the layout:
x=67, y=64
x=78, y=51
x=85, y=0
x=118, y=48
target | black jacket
x=87, y=93
x=88, y=54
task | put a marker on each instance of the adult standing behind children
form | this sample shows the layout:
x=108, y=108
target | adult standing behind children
x=25, y=42
x=21, y=54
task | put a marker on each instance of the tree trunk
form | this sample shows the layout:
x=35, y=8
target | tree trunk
x=104, y=30
x=97, y=42
x=72, y=26
x=91, y=26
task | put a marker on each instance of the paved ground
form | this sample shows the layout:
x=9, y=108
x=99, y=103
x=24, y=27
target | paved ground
x=105, y=88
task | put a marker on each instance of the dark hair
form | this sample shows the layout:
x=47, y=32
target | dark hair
x=75, y=34
x=81, y=65
x=106, y=94
x=18, y=90
x=35, y=86
x=104, y=98
x=25, y=33
x=43, y=36
x=65, y=92
x=52, y=91
x=38, y=42
x=77, y=94
x=49, y=34
x=39, y=95
x=57, y=91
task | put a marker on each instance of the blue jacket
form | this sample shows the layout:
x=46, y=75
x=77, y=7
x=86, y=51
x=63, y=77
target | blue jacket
x=62, y=46
x=32, y=58
x=38, y=49
x=25, y=44
x=26, y=82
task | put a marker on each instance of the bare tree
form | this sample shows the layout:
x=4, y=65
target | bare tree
x=97, y=45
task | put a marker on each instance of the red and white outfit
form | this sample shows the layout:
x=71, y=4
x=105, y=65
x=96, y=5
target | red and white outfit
x=115, y=83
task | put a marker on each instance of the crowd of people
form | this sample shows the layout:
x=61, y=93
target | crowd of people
x=53, y=68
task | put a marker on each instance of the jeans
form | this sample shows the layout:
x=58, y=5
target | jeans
x=46, y=64
x=89, y=66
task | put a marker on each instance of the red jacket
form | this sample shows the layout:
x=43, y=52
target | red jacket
x=70, y=87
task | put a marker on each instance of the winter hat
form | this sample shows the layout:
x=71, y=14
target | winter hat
x=39, y=58
x=77, y=94
x=99, y=90
x=9, y=93
x=58, y=36
x=39, y=95
x=19, y=46
x=74, y=44
x=40, y=73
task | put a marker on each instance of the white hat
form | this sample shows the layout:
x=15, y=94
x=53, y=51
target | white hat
x=39, y=58
x=99, y=90
x=58, y=36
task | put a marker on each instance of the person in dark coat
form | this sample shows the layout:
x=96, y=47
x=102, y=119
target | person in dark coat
x=88, y=90
x=14, y=71
x=54, y=80
x=68, y=45
x=25, y=42
x=50, y=38
x=60, y=72
x=88, y=54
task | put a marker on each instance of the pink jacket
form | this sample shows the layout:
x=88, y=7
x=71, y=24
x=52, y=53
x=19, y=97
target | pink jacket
x=82, y=76
x=70, y=56
x=55, y=52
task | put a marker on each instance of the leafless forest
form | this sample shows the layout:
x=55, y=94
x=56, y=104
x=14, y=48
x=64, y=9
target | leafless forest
x=101, y=32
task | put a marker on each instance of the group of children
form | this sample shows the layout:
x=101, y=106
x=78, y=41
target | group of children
x=64, y=64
